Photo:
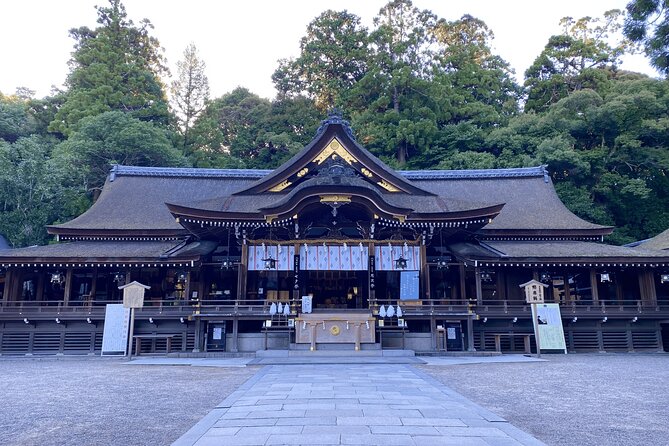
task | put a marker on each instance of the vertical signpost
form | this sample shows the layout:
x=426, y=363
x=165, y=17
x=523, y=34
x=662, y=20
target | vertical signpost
x=534, y=294
x=133, y=297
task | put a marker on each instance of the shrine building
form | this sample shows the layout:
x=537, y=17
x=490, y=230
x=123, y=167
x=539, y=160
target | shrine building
x=332, y=249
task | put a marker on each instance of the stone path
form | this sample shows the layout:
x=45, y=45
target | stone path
x=377, y=404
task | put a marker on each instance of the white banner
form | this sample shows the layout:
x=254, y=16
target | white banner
x=386, y=257
x=115, y=334
x=282, y=254
x=333, y=258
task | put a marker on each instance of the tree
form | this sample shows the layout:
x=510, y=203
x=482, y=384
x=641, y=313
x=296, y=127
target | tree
x=117, y=138
x=35, y=190
x=15, y=119
x=333, y=57
x=581, y=57
x=241, y=129
x=116, y=66
x=647, y=23
x=190, y=92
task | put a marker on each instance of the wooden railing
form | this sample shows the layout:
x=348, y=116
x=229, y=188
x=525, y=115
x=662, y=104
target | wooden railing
x=255, y=307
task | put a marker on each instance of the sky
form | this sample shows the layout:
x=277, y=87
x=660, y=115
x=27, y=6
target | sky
x=241, y=41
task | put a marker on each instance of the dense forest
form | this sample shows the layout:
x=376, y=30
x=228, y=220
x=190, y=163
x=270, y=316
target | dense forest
x=421, y=92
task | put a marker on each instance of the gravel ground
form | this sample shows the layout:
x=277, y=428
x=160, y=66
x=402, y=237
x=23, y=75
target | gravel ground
x=101, y=401
x=577, y=399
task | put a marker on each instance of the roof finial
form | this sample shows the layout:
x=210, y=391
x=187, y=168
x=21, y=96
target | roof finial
x=335, y=116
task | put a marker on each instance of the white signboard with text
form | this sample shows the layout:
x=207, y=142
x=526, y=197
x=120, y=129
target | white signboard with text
x=549, y=325
x=115, y=334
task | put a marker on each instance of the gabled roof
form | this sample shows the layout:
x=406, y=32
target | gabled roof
x=334, y=140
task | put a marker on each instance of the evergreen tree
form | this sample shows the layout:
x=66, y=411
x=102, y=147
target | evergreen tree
x=190, y=92
x=116, y=66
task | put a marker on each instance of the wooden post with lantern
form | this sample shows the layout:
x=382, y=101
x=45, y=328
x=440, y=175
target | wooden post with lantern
x=133, y=297
x=534, y=294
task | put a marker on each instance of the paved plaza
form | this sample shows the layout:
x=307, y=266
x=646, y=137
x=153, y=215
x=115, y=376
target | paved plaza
x=576, y=399
x=356, y=404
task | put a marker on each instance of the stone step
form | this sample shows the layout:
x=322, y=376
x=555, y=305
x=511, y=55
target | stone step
x=335, y=353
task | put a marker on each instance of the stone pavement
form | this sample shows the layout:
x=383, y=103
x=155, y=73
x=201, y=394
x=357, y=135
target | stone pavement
x=370, y=404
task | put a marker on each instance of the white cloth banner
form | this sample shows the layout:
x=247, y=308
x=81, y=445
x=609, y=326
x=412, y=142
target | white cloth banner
x=386, y=256
x=282, y=254
x=334, y=258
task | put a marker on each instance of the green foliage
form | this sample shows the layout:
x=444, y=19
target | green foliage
x=582, y=57
x=35, y=190
x=116, y=66
x=117, y=138
x=647, y=24
x=333, y=57
x=190, y=92
x=241, y=129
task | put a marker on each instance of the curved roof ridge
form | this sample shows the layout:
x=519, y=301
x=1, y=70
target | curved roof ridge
x=514, y=172
x=196, y=172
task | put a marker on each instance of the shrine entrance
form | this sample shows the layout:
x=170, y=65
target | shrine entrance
x=338, y=290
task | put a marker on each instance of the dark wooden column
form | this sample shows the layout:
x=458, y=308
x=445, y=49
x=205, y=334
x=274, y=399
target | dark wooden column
x=8, y=286
x=424, y=272
x=463, y=284
x=39, y=293
x=647, y=291
x=501, y=284
x=593, y=287
x=68, y=287
x=242, y=273
x=479, y=289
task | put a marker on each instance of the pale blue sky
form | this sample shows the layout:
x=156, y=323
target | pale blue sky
x=241, y=41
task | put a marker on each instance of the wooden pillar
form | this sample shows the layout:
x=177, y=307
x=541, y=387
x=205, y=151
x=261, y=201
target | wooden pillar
x=424, y=272
x=501, y=285
x=17, y=284
x=647, y=291
x=235, y=335
x=68, y=287
x=39, y=292
x=463, y=284
x=9, y=274
x=479, y=290
x=594, y=287
x=242, y=273
x=186, y=290
x=94, y=285
x=470, y=334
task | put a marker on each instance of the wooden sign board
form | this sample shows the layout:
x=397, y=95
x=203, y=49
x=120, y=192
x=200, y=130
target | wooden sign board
x=534, y=291
x=133, y=294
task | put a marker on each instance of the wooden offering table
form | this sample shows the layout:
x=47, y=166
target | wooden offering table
x=335, y=327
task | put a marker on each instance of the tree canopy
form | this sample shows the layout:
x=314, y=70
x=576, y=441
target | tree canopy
x=422, y=92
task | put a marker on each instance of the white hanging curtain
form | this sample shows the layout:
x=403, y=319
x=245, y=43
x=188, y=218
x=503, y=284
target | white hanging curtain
x=334, y=257
x=283, y=254
x=386, y=256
